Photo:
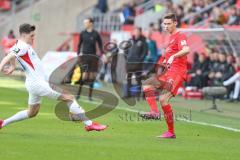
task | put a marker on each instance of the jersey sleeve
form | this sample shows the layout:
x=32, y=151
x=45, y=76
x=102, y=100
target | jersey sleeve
x=19, y=49
x=182, y=41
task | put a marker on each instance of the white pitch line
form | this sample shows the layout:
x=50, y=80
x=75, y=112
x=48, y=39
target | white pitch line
x=181, y=119
x=211, y=125
x=194, y=122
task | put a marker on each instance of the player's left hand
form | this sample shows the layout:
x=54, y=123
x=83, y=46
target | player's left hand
x=8, y=71
x=170, y=60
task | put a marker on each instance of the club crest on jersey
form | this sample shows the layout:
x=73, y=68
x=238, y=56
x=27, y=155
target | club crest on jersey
x=183, y=42
x=16, y=50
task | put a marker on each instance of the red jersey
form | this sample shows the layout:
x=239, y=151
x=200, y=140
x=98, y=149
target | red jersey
x=176, y=42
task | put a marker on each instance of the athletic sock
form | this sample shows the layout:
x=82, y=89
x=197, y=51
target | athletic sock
x=168, y=115
x=17, y=117
x=79, y=89
x=151, y=99
x=91, y=85
x=78, y=113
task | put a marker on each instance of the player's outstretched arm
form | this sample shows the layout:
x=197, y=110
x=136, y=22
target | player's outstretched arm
x=9, y=59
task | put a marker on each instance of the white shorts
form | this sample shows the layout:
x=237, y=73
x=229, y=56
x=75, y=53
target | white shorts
x=38, y=89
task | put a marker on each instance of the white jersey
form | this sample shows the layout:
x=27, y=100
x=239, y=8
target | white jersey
x=36, y=82
x=29, y=61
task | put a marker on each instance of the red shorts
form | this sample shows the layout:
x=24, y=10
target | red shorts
x=174, y=78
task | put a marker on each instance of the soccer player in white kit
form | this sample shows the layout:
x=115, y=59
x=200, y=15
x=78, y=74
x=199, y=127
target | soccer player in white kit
x=36, y=82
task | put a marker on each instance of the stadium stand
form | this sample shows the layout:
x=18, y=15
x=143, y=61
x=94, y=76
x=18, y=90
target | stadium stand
x=211, y=25
x=206, y=22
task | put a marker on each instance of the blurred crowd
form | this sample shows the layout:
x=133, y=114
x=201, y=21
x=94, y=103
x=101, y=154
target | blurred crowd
x=190, y=12
x=224, y=13
x=216, y=69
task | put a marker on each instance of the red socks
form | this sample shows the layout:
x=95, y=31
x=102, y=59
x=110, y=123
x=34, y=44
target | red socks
x=167, y=109
x=168, y=115
x=151, y=100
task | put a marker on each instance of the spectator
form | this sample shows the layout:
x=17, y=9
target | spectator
x=155, y=27
x=234, y=17
x=230, y=66
x=199, y=72
x=169, y=6
x=129, y=12
x=221, y=71
x=235, y=79
x=102, y=6
x=152, y=56
x=151, y=27
x=8, y=41
x=11, y=35
x=229, y=73
x=179, y=14
x=212, y=67
x=160, y=28
x=135, y=59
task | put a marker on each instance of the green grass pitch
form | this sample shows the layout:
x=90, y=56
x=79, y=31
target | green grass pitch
x=47, y=137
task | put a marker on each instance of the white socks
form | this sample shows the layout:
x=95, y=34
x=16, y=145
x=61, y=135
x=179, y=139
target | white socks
x=78, y=113
x=74, y=108
x=17, y=117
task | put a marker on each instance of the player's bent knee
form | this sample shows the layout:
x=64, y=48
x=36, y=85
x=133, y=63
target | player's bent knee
x=163, y=99
x=32, y=114
x=33, y=111
x=66, y=97
x=147, y=87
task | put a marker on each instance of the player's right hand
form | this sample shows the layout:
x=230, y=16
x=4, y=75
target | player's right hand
x=170, y=60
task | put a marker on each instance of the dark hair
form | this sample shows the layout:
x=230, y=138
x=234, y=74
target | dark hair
x=26, y=28
x=171, y=16
x=139, y=29
x=151, y=24
x=223, y=53
x=90, y=19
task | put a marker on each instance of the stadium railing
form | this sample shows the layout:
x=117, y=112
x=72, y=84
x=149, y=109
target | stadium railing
x=113, y=20
x=221, y=39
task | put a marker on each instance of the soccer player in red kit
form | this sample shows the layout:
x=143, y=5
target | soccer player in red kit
x=175, y=59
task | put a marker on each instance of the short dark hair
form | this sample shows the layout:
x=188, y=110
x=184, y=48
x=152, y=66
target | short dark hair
x=171, y=16
x=26, y=28
x=90, y=19
x=223, y=53
x=139, y=29
x=151, y=24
